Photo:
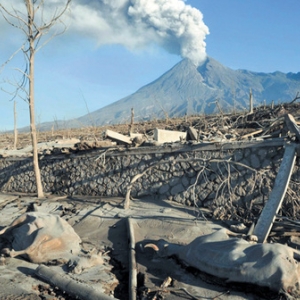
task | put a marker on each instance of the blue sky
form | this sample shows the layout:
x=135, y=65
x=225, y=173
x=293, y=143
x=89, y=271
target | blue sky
x=84, y=70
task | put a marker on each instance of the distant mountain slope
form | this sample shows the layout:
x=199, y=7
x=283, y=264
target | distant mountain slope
x=186, y=89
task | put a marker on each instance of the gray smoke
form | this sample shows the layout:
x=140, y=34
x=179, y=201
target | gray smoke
x=171, y=24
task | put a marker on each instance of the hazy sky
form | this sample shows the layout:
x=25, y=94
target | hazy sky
x=114, y=47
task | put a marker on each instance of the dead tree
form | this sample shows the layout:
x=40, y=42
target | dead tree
x=250, y=102
x=15, y=126
x=296, y=98
x=32, y=22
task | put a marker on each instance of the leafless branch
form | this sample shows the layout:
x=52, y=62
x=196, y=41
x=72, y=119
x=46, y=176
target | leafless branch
x=54, y=18
x=204, y=163
x=24, y=73
x=296, y=98
x=10, y=58
x=41, y=4
x=19, y=86
x=16, y=16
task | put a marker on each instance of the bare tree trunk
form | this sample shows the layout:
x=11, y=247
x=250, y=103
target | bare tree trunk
x=250, y=102
x=36, y=168
x=132, y=120
x=15, y=126
x=34, y=29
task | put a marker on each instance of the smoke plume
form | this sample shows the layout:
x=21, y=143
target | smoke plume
x=171, y=24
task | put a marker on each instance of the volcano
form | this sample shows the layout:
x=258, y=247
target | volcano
x=188, y=90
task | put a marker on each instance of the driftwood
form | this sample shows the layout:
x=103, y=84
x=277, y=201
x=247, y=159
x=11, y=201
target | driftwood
x=70, y=286
x=236, y=260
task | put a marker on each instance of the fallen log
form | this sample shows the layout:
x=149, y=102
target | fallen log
x=268, y=215
x=70, y=286
x=132, y=261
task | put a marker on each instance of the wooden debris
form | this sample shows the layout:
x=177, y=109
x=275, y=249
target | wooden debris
x=70, y=286
x=268, y=215
x=163, y=287
x=264, y=123
x=294, y=241
x=132, y=261
x=6, y=199
x=286, y=227
x=251, y=134
x=292, y=125
x=86, y=145
x=126, y=203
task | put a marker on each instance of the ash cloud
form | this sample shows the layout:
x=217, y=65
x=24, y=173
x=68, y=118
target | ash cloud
x=171, y=24
x=135, y=24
